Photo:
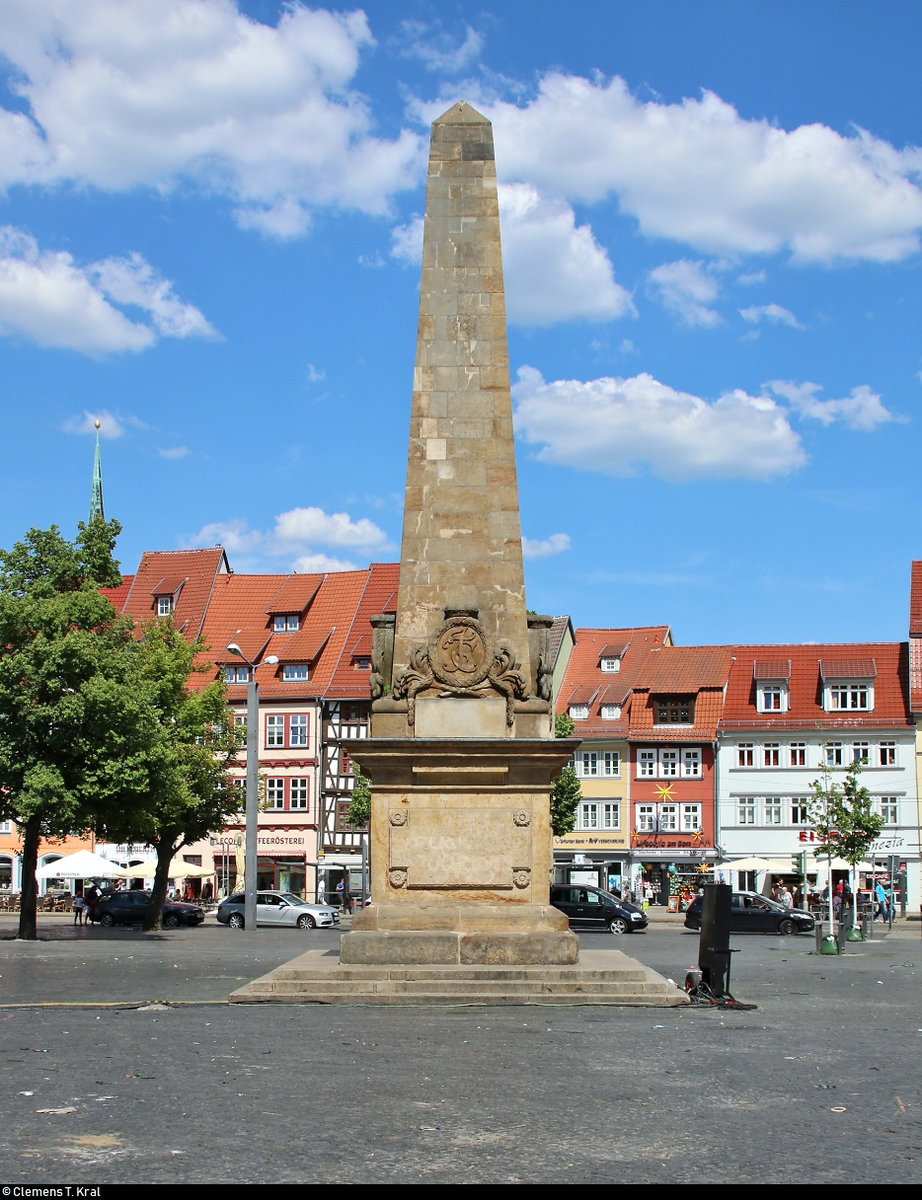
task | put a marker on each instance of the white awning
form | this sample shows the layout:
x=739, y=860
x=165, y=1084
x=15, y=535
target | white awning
x=340, y=860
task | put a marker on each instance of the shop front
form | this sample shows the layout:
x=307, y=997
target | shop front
x=671, y=876
x=281, y=864
x=593, y=860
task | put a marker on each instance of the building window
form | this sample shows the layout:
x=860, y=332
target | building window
x=611, y=712
x=341, y=818
x=746, y=810
x=6, y=826
x=889, y=809
x=849, y=697
x=236, y=674
x=771, y=755
x=833, y=754
x=771, y=698
x=669, y=818
x=772, y=811
x=888, y=754
x=798, y=754
x=611, y=763
x=745, y=755
x=595, y=814
x=587, y=763
x=674, y=710
x=275, y=730
x=861, y=752
x=668, y=763
x=286, y=624
x=298, y=792
x=646, y=818
x=578, y=712
x=691, y=817
x=297, y=729
x=275, y=792
x=691, y=763
x=610, y=663
x=164, y=606
x=800, y=812
x=646, y=763
x=294, y=673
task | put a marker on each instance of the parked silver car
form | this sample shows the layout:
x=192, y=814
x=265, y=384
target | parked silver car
x=277, y=908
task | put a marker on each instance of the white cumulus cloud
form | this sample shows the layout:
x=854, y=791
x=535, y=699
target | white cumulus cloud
x=125, y=93
x=46, y=297
x=699, y=173
x=557, y=543
x=773, y=313
x=686, y=289
x=621, y=426
x=861, y=409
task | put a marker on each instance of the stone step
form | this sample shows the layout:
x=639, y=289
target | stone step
x=302, y=983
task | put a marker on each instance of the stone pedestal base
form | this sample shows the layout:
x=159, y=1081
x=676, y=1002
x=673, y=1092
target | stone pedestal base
x=462, y=935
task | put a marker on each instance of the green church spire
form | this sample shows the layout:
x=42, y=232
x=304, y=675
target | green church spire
x=97, y=509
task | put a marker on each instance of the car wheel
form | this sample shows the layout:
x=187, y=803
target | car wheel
x=787, y=927
x=170, y=921
x=307, y=922
x=618, y=925
x=235, y=920
x=107, y=920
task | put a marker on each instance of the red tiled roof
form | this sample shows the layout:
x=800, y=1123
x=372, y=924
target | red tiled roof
x=848, y=668
x=168, y=586
x=348, y=681
x=613, y=650
x=915, y=599
x=771, y=668
x=697, y=671
x=295, y=594
x=584, y=677
x=117, y=595
x=199, y=568
x=805, y=686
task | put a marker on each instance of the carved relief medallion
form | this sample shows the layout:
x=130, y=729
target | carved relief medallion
x=458, y=654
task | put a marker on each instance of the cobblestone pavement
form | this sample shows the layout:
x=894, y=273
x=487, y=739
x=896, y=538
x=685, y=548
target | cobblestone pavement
x=121, y=1062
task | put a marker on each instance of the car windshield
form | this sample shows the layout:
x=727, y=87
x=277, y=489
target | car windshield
x=292, y=898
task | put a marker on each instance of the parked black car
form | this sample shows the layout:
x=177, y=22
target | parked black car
x=591, y=908
x=128, y=908
x=751, y=912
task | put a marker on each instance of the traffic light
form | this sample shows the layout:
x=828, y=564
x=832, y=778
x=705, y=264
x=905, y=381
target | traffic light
x=799, y=864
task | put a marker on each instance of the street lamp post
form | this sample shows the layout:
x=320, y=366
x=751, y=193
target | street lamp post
x=252, y=790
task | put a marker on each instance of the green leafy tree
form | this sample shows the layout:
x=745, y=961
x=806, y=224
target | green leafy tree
x=566, y=792
x=192, y=743
x=72, y=726
x=844, y=821
x=358, y=813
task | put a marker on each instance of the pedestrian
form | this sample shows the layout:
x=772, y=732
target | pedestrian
x=786, y=898
x=340, y=893
x=78, y=909
x=883, y=910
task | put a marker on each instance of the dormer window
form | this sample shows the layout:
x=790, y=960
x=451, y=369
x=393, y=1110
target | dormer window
x=236, y=674
x=772, y=696
x=611, y=712
x=578, y=712
x=850, y=696
x=294, y=673
x=164, y=606
x=286, y=623
x=674, y=710
x=610, y=663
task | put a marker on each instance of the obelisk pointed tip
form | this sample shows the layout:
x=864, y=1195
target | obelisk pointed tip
x=461, y=114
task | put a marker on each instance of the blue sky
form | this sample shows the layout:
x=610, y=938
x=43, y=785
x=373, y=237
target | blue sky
x=209, y=239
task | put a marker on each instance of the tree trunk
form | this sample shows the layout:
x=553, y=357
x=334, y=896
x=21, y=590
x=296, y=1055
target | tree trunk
x=31, y=837
x=153, y=918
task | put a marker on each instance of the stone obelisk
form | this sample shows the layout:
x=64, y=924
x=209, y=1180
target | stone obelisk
x=461, y=754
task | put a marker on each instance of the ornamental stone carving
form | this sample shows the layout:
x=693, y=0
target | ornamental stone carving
x=521, y=817
x=397, y=816
x=458, y=660
x=397, y=877
x=521, y=876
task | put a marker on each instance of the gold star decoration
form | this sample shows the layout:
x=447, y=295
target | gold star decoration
x=665, y=791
